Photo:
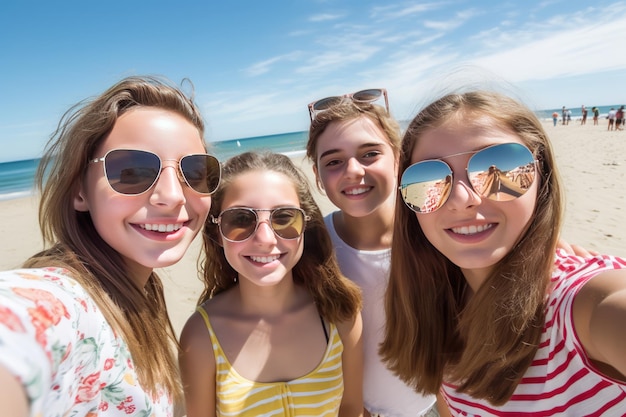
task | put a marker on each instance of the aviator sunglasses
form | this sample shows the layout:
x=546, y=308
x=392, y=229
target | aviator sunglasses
x=363, y=96
x=237, y=224
x=133, y=172
x=500, y=172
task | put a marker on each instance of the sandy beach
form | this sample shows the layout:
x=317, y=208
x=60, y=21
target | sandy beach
x=592, y=163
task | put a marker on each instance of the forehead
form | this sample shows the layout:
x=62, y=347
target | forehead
x=461, y=135
x=260, y=189
x=353, y=132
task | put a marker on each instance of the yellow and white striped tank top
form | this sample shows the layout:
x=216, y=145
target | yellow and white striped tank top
x=315, y=394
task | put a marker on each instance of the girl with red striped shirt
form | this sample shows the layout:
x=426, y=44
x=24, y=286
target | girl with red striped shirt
x=481, y=304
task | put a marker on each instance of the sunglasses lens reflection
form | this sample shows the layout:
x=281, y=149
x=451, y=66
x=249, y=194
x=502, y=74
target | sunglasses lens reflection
x=500, y=173
x=425, y=185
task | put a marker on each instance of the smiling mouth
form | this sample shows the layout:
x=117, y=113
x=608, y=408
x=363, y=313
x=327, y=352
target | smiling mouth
x=357, y=191
x=264, y=259
x=471, y=230
x=162, y=228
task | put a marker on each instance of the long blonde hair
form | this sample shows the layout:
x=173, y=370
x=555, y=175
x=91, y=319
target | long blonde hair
x=138, y=314
x=337, y=298
x=486, y=344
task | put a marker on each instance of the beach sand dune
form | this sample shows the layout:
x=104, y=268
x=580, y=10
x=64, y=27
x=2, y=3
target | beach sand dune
x=592, y=163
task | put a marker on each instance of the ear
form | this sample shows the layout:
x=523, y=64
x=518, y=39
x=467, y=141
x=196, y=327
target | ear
x=318, y=182
x=80, y=202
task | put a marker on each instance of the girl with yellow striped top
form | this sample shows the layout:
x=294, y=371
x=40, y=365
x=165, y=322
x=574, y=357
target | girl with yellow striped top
x=283, y=323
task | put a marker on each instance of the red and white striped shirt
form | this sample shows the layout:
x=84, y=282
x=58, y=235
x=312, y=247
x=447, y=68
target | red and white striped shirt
x=560, y=381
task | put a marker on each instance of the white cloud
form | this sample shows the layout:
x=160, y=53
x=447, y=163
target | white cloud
x=325, y=17
x=588, y=49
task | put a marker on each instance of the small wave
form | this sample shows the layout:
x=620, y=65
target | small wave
x=16, y=194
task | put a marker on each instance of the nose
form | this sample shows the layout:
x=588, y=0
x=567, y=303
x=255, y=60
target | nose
x=462, y=196
x=264, y=233
x=168, y=190
x=354, y=169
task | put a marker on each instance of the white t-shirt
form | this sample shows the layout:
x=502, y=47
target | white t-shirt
x=383, y=392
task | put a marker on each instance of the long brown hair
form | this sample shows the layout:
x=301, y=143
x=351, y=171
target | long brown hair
x=337, y=298
x=487, y=343
x=138, y=314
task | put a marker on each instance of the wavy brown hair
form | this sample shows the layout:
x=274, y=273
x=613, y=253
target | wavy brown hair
x=337, y=298
x=349, y=111
x=138, y=314
x=487, y=343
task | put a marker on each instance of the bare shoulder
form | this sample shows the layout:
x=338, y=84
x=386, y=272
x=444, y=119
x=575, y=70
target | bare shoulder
x=350, y=330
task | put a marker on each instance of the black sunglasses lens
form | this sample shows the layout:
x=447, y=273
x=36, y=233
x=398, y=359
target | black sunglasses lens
x=131, y=172
x=238, y=224
x=367, y=96
x=425, y=186
x=202, y=172
x=502, y=172
x=288, y=223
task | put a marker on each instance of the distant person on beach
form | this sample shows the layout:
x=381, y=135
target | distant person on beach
x=564, y=115
x=619, y=118
x=126, y=185
x=583, y=110
x=278, y=329
x=481, y=303
x=555, y=118
x=611, y=116
x=596, y=115
x=569, y=116
x=354, y=148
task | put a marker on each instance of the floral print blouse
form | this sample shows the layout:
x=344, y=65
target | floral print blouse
x=55, y=340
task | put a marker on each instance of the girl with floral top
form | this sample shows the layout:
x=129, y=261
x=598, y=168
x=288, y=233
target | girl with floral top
x=126, y=186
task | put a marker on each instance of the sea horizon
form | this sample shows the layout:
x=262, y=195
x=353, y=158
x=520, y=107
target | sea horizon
x=17, y=176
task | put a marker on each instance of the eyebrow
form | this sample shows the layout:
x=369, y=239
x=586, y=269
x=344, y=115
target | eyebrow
x=363, y=146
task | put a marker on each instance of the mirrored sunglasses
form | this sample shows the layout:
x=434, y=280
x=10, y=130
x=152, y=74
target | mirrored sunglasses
x=363, y=96
x=239, y=223
x=133, y=172
x=501, y=172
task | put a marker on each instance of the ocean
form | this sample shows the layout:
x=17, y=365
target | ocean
x=16, y=177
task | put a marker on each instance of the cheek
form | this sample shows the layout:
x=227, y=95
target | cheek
x=426, y=222
x=230, y=252
x=201, y=205
x=327, y=177
x=525, y=208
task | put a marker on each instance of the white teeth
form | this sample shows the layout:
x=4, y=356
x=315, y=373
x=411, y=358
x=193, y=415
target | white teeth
x=356, y=191
x=470, y=230
x=264, y=259
x=161, y=227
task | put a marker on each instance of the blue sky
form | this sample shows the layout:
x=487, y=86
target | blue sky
x=256, y=64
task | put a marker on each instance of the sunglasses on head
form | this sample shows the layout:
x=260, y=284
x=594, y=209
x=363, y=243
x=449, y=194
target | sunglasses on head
x=133, y=172
x=363, y=96
x=501, y=172
x=239, y=223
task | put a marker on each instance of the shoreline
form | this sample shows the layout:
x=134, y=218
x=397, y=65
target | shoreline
x=592, y=165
